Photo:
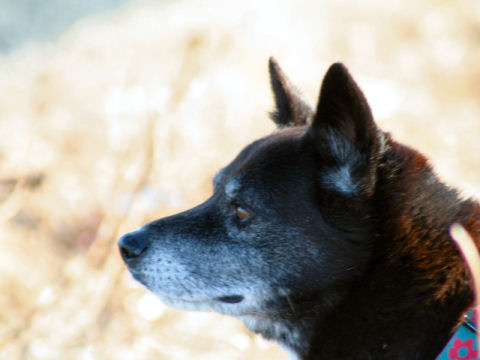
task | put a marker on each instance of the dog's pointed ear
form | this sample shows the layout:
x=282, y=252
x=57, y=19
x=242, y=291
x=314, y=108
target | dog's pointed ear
x=292, y=109
x=346, y=137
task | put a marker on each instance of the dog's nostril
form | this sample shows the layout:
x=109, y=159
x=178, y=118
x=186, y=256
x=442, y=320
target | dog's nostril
x=127, y=254
x=131, y=247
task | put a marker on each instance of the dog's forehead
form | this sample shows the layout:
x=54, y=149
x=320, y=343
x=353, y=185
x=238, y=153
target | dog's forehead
x=264, y=161
x=265, y=150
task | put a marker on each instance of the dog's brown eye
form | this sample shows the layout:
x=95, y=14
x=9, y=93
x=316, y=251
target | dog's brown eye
x=242, y=213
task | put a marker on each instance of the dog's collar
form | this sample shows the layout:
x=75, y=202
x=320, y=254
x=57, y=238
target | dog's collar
x=463, y=344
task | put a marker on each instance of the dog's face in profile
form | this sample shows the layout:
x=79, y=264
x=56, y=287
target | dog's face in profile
x=286, y=229
x=255, y=244
x=306, y=225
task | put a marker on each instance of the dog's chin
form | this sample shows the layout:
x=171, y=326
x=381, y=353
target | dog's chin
x=228, y=302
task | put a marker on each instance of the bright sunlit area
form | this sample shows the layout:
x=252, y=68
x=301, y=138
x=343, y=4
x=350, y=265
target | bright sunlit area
x=115, y=113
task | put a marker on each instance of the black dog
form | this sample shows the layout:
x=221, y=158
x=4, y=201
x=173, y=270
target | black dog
x=326, y=236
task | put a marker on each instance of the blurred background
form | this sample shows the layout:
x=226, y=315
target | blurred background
x=115, y=112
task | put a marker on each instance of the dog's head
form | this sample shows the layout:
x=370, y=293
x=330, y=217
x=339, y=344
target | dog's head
x=288, y=221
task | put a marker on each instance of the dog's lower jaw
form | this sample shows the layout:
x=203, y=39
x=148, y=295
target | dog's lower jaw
x=293, y=338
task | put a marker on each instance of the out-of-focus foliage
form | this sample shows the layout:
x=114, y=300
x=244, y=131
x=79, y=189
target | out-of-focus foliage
x=127, y=117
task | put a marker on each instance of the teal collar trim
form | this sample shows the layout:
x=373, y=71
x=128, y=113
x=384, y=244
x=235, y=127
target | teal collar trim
x=463, y=344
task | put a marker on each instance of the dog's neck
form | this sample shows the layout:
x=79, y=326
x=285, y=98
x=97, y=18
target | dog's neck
x=293, y=337
x=414, y=214
x=416, y=287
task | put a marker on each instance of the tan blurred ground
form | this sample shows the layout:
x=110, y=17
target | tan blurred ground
x=127, y=117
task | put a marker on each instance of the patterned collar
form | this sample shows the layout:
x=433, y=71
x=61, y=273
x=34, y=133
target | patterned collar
x=463, y=344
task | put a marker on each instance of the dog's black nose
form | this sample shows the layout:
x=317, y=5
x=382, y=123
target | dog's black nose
x=131, y=246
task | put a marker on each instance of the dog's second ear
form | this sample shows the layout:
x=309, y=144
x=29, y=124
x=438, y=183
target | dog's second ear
x=345, y=135
x=292, y=109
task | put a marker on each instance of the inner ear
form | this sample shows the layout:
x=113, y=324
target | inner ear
x=343, y=108
x=291, y=107
x=345, y=135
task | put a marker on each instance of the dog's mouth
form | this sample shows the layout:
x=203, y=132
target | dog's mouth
x=231, y=299
x=226, y=299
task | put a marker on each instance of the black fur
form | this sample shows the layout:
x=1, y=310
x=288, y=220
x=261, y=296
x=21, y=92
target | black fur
x=292, y=109
x=345, y=253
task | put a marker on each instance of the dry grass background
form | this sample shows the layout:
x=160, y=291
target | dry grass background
x=127, y=116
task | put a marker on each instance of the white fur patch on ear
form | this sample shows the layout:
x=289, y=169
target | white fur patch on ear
x=340, y=179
